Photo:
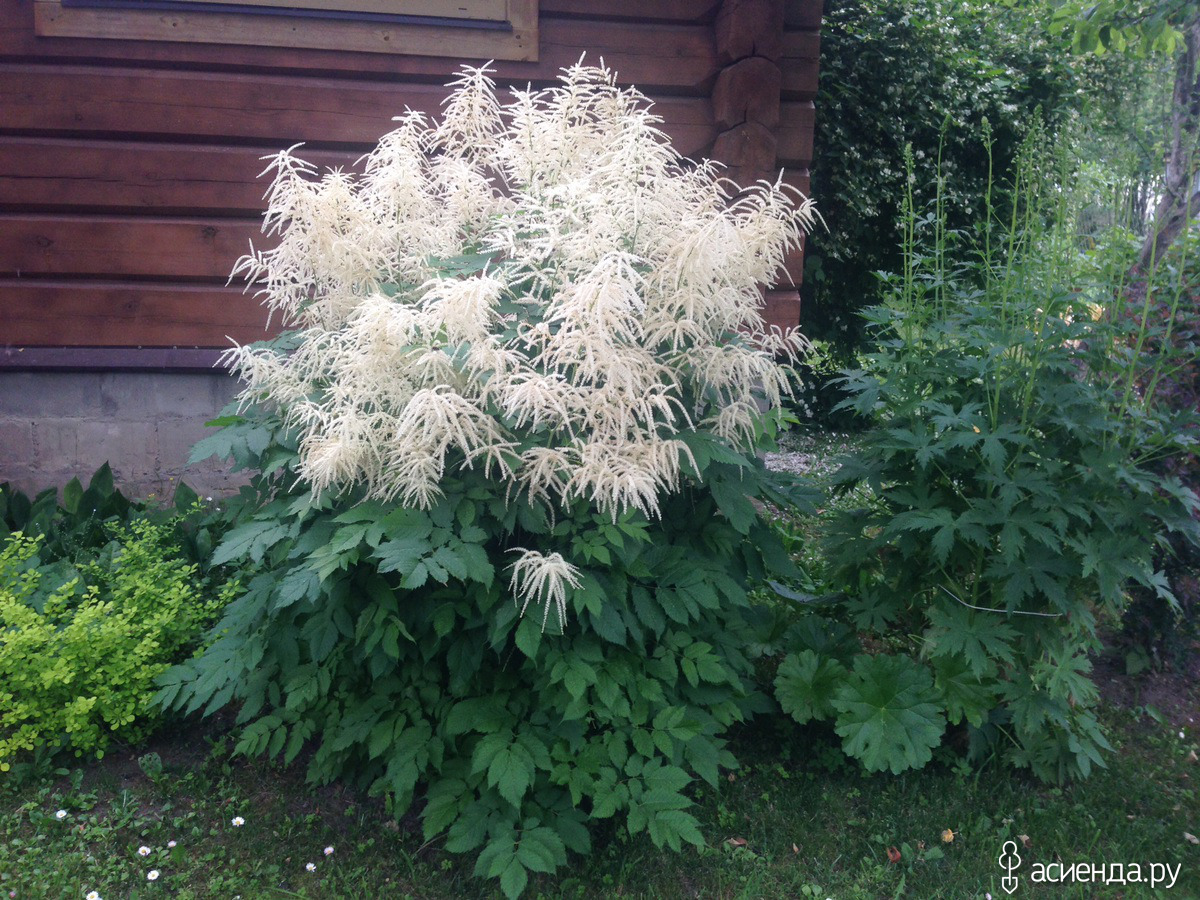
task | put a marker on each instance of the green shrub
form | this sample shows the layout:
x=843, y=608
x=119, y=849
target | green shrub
x=501, y=529
x=78, y=526
x=1166, y=303
x=389, y=637
x=1012, y=495
x=82, y=525
x=927, y=75
x=77, y=664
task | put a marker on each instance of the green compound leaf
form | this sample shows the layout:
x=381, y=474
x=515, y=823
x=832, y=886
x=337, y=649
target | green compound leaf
x=806, y=684
x=963, y=692
x=541, y=850
x=888, y=716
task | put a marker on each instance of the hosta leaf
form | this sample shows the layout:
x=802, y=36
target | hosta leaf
x=806, y=683
x=888, y=716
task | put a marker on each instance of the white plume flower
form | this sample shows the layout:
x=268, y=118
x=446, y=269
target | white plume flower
x=538, y=286
x=543, y=579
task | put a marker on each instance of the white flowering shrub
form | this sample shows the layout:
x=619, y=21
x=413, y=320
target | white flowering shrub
x=540, y=288
x=501, y=529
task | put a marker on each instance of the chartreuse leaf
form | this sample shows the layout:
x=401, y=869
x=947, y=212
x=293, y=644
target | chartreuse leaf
x=806, y=683
x=888, y=715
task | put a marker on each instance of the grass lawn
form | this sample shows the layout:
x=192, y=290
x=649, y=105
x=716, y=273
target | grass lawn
x=796, y=821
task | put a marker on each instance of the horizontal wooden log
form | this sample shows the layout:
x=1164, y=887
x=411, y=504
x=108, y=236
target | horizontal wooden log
x=109, y=359
x=114, y=247
x=749, y=28
x=747, y=91
x=795, y=133
x=782, y=309
x=803, y=14
x=678, y=57
x=111, y=314
x=64, y=175
x=800, y=64
x=277, y=111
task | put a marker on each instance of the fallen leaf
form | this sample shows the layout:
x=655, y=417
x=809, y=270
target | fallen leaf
x=736, y=842
x=948, y=836
x=732, y=778
x=1191, y=838
x=1024, y=839
x=920, y=845
x=893, y=855
x=795, y=849
x=1192, y=757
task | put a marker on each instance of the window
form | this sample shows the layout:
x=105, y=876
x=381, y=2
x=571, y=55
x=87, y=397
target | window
x=496, y=29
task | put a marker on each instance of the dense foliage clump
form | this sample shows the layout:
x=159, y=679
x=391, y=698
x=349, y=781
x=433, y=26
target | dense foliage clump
x=1011, y=488
x=78, y=657
x=927, y=76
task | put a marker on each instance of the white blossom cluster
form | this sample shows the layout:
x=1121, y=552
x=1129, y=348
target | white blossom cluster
x=617, y=301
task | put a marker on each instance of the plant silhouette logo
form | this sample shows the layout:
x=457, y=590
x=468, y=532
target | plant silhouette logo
x=1009, y=861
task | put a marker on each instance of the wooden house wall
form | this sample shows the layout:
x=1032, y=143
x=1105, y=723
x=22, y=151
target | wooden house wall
x=128, y=168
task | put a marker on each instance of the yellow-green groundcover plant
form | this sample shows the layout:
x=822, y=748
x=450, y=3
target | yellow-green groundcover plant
x=77, y=664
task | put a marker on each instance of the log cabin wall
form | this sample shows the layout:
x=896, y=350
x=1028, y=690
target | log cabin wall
x=128, y=188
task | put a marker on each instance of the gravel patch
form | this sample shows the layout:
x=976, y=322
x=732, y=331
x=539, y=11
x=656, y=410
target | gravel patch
x=811, y=453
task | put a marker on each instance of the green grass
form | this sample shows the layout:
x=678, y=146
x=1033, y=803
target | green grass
x=795, y=821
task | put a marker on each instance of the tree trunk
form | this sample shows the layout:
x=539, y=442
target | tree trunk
x=1180, y=200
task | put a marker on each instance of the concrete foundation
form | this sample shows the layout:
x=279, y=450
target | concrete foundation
x=58, y=425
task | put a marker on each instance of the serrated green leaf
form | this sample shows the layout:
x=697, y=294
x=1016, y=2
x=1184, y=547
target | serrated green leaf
x=541, y=850
x=250, y=540
x=888, y=715
x=806, y=683
x=964, y=695
x=401, y=555
x=980, y=638
x=513, y=879
x=511, y=773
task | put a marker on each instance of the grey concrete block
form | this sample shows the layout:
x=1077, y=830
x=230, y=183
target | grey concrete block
x=41, y=394
x=131, y=448
x=56, y=444
x=54, y=426
x=16, y=446
x=175, y=440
